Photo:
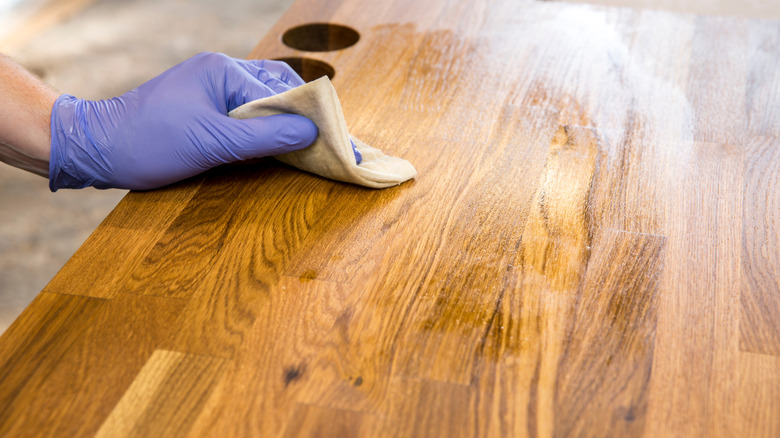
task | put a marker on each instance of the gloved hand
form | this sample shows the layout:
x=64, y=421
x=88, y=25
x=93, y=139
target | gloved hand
x=173, y=127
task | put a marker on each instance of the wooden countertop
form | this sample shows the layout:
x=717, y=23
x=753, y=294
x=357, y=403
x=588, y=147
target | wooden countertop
x=592, y=247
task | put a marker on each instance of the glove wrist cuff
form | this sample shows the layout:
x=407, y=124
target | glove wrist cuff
x=72, y=163
x=64, y=127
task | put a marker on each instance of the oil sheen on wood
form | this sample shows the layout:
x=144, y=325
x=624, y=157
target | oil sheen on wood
x=591, y=247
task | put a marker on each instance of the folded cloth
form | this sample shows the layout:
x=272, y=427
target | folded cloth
x=331, y=155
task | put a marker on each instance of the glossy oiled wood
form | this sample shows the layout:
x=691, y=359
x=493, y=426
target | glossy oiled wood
x=590, y=248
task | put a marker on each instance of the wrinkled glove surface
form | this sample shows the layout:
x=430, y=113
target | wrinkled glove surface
x=173, y=127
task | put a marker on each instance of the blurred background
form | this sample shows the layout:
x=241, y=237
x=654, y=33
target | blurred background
x=96, y=49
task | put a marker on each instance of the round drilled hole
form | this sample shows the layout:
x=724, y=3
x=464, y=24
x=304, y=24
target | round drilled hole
x=320, y=37
x=309, y=69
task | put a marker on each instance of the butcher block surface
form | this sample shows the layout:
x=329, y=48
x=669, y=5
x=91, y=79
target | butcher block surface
x=591, y=248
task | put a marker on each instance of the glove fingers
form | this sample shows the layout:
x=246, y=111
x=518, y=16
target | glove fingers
x=277, y=79
x=248, y=90
x=280, y=70
x=265, y=70
x=255, y=83
x=266, y=136
x=276, y=85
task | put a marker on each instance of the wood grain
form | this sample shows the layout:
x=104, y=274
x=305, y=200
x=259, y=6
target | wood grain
x=590, y=248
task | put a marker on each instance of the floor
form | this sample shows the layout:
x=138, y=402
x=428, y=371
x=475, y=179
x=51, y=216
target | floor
x=100, y=52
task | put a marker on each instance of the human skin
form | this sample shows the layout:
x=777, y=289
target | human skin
x=25, y=115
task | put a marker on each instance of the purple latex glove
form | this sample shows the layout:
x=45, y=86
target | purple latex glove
x=173, y=127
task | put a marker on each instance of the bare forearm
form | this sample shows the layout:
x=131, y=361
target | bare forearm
x=25, y=113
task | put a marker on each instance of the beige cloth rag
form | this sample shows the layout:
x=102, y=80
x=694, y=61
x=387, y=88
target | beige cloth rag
x=331, y=155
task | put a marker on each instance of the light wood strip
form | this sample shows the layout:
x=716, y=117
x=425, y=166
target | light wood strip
x=166, y=396
x=699, y=312
x=555, y=249
x=716, y=88
x=762, y=94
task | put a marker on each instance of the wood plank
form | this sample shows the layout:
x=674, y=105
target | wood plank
x=447, y=324
x=130, y=230
x=762, y=94
x=717, y=85
x=555, y=249
x=266, y=228
x=283, y=358
x=433, y=409
x=759, y=388
x=195, y=235
x=699, y=308
x=36, y=342
x=165, y=398
x=314, y=421
x=760, y=294
x=95, y=370
x=604, y=375
x=528, y=335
